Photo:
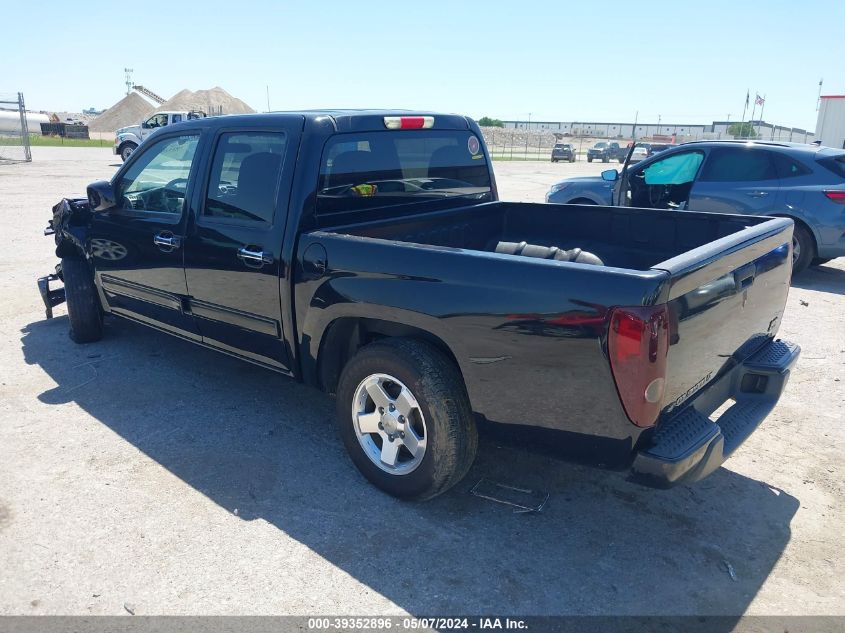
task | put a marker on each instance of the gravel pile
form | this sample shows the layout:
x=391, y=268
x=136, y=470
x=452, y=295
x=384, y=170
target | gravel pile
x=128, y=111
x=213, y=101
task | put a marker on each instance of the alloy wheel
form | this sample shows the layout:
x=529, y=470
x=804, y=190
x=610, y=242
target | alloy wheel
x=389, y=424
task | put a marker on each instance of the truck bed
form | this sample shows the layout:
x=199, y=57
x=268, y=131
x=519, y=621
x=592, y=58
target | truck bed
x=636, y=239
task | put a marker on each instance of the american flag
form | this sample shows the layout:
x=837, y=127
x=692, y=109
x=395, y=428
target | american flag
x=759, y=100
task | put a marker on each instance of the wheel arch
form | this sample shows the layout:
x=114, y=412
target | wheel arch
x=124, y=144
x=803, y=223
x=68, y=249
x=345, y=335
x=582, y=199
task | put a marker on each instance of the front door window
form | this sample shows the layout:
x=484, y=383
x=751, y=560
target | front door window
x=666, y=183
x=156, y=181
x=157, y=120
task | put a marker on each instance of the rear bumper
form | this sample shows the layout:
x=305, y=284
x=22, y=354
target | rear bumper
x=689, y=445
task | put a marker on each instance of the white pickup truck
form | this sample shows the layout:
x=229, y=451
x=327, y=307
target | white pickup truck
x=127, y=139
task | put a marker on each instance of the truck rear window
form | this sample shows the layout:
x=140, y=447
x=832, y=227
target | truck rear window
x=382, y=169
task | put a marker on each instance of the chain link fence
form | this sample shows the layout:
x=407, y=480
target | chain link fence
x=520, y=144
x=14, y=130
x=536, y=145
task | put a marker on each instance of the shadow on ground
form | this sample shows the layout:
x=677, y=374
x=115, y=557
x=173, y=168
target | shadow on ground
x=255, y=441
x=822, y=278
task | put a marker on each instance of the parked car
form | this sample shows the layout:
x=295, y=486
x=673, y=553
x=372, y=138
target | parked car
x=563, y=151
x=605, y=152
x=127, y=139
x=638, y=154
x=289, y=240
x=656, y=148
x=803, y=182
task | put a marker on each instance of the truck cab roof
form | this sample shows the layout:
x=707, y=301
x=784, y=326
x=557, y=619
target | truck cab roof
x=362, y=120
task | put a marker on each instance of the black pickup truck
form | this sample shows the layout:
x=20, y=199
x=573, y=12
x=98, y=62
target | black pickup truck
x=365, y=253
x=606, y=152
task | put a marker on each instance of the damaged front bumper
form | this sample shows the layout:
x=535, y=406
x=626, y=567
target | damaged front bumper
x=51, y=296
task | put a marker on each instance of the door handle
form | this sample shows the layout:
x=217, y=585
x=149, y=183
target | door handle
x=166, y=241
x=253, y=257
x=757, y=194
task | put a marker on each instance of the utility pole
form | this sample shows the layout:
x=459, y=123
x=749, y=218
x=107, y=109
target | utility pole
x=527, y=134
x=129, y=82
x=634, y=130
x=819, y=100
x=268, y=98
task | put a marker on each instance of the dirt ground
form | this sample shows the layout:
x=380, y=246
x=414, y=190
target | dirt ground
x=147, y=472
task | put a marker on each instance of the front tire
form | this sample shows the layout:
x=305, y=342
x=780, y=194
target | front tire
x=83, y=303
x=405, y=418
x=819, y=261
x=803, y=248
x=127, y=150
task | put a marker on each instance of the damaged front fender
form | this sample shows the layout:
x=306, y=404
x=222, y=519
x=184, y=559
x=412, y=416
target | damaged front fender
x=71, y=218
x=69, y=226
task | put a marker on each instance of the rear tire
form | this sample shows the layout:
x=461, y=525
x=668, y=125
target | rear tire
x=589, y=160
x=441, y=415
x=83, y=303
x=803, y=248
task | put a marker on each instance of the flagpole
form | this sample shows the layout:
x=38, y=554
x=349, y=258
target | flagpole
x=753, y=110
x=762, y=108
x=744, y=110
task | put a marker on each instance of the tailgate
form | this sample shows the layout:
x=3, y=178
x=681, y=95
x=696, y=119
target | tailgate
x=725, y=300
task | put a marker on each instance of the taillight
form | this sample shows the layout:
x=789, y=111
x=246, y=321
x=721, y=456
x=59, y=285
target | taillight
x=408, y=122
x=837, y=195
x=638, y=344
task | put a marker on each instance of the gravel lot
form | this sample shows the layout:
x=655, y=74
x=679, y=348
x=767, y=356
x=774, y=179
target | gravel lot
x=145, y=471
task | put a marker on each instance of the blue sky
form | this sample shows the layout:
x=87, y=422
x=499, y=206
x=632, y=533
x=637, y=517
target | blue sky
x=685, y=61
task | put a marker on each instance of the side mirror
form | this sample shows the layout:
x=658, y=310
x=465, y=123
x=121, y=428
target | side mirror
x=610, y=175
x=101, y=196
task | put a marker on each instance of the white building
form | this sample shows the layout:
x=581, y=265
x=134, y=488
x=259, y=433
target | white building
x=830, y=127
x=681, y=131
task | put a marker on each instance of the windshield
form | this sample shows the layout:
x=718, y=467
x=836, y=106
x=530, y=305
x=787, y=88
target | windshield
x=600, y=145
x=381, y=169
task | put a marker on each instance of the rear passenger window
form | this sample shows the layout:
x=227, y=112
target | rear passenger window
x=788, y=167
x=245, y=176
x=836, y=164
x=740, y=164
x=381, y=169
